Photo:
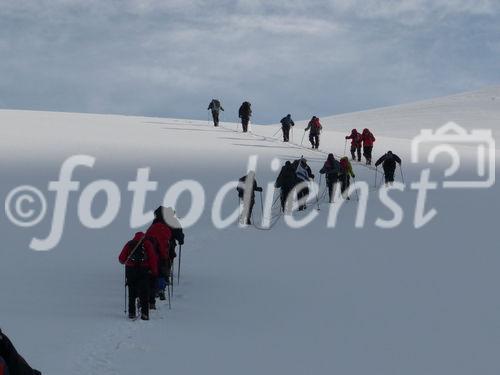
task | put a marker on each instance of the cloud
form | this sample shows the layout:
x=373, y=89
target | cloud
x=157, y=57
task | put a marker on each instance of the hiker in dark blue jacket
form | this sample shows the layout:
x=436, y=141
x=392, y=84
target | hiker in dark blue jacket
x=388, y=162
x=286, y=124
x=331, y=170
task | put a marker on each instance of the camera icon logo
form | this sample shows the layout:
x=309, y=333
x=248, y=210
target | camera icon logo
x=443, y=140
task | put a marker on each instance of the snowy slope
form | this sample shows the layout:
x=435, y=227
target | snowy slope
x=312, y=300
x=472, y=110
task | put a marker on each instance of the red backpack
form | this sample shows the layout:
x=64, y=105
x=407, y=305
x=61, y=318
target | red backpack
x=344, y=165
x=317, y=124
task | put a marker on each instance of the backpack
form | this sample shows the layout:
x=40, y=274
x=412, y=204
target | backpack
x=389, y=158
x=242, y=185
x=241, y=192
x=138, y=254
x=216, y=104
x=344, y=166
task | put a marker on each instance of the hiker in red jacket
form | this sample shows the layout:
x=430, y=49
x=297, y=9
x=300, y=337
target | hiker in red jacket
x=356, y=142
x=368, y=139
x=314, y=127
x=345, y=175
x=160, y=234
x=141, y=264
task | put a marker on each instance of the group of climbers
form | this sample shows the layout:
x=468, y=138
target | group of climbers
x=148, y=259
x=358, y=140
x=294, y=178
x=293, y=181
x=244, y=113
x=337, y=171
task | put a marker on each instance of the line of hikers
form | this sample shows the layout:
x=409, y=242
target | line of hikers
x=314, y=126
x=294, y=178
x=359, y=141
x=244, y=113
x=148, y=260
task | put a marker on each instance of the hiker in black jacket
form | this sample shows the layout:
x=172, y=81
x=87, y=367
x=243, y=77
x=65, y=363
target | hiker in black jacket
x=314, y=127
x=388, y=162
x=286, y=181
x=331, y=170
x=216, y=107
x=286, y=124
x=247, y=187
x=245, y=113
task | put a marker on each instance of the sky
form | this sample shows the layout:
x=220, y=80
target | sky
x=168, y=58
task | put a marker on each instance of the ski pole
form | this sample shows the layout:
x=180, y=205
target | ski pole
x=208, y=118
x=292, y=134
x=317, y=193
x=169, y=303
x=171, y=276
x=302, y=141
x=261, y=204
x=179, y=265
x=274, y=135
x=402, y=176
x=125, y=305
x=376, y=172
x=345, y=147
x=356, y=190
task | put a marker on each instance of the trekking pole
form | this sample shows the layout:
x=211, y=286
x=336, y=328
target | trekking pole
x=402, y=177
x=317, y=193
x=261, y=204
x=125, y=305
x=179, y=265
x=356, y=190
x=303, y=135
x=345, y=147
x=171, y=276
x=376, y=172
x=169, y=303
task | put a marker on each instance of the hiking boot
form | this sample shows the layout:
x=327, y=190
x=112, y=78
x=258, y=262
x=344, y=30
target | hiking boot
x=162, y=295
x=144, y=316
x=132, y=316
x=152, y=305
